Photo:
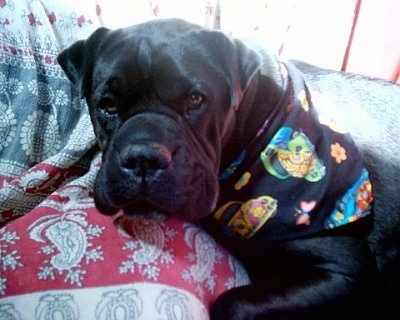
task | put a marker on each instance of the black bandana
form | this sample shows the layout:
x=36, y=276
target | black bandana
x=300, y=175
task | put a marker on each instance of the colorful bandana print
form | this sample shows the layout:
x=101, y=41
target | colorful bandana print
x=300, y=175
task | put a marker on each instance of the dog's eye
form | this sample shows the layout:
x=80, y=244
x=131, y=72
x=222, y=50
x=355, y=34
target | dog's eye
x=195, y=100
x=108, y=105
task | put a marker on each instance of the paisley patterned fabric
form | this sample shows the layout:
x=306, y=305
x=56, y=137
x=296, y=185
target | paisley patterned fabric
x=66, y=258
x=59, y=257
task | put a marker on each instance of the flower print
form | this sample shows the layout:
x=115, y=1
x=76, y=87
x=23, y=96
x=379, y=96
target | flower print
x=40, y=137
x=61, y=98
x=15, y=86
x=8, y=124
x=77, y=103
x=338, y=152
x=32, y=87
x=10, y=85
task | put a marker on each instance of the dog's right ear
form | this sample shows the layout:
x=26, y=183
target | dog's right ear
x=77, y=60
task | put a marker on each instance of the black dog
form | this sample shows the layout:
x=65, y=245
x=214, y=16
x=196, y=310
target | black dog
x=197, y=125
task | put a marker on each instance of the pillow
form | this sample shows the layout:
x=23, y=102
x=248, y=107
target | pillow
x=66, y=258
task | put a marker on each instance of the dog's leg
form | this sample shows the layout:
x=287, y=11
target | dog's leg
x=321, y=278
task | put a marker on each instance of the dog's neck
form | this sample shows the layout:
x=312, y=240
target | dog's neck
x=262, y=97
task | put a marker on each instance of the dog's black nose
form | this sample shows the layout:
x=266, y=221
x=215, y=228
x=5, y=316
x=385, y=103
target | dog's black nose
x=146, y=158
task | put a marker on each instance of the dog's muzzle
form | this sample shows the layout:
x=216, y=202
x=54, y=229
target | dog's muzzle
x=153, y=164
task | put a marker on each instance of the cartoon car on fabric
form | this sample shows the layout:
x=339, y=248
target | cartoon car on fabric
x=246, y=218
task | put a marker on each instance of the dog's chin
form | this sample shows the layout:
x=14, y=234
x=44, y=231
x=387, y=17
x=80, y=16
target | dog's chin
x=110, y=207
x=144, y=208
x=141, y=208
x=148, y=209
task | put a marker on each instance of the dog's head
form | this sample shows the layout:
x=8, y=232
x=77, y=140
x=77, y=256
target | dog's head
x=163, y=98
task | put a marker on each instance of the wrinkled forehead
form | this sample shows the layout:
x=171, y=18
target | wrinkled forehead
x=157, y=54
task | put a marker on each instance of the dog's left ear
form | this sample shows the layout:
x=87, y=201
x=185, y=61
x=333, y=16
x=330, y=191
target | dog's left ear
x=77, y=60
x=239, y=60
